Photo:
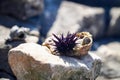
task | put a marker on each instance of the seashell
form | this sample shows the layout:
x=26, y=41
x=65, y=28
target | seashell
x=85, y=40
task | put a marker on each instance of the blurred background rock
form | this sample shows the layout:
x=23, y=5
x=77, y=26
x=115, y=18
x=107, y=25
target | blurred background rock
x=99, y=17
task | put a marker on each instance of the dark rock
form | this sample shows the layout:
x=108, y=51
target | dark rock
x=5, y=70
x=6, y=76
x=21, y=9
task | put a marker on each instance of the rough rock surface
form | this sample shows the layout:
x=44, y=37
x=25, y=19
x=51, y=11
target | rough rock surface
x=75, y=17
x=114, y=29
x=20, y=35
x=21, y=9
x=31, y=61
x=110, y=54
x=5, y=70
x=23, y=34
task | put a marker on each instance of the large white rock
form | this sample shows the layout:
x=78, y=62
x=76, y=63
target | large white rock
x=75, y=17
x=31, y=61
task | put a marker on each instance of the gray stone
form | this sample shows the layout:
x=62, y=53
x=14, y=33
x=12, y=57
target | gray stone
x=4, y=33
x=104, y=78
x=5, y=70
x=20, y=35
x=114, y=29
x=4, y=79
x=31, y=61
x=110, y=55
x=21, y=9
x=75, y=17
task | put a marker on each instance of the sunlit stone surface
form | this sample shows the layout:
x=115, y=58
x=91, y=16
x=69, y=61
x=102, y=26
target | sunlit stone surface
x=31, y=61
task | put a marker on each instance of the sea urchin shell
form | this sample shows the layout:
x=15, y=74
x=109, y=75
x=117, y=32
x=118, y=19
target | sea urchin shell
x=65, y=45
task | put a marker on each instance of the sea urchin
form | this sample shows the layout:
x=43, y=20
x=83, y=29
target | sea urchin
x=65, y=45
x=72, y=45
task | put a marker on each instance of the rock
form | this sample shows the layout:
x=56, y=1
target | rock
x=114, y=29
x=103, y=78
x=5, y=70
x=31, y=61
x=32, y=23
x=20, y=35
x=4, y=31
x=110, y=53
x=33, y=36
x=34, y=33
x=73, y=17
x=4, y=79
x=25, y=8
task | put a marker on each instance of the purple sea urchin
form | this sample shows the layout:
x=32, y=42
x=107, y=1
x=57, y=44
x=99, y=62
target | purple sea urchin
x=73, y=45
x=65, y=45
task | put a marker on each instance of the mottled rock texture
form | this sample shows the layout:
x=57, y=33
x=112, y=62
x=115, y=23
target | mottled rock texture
x=110, y=54
x=20, y=35
x=75, y=17
x=31, y=61
x=21, y=9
